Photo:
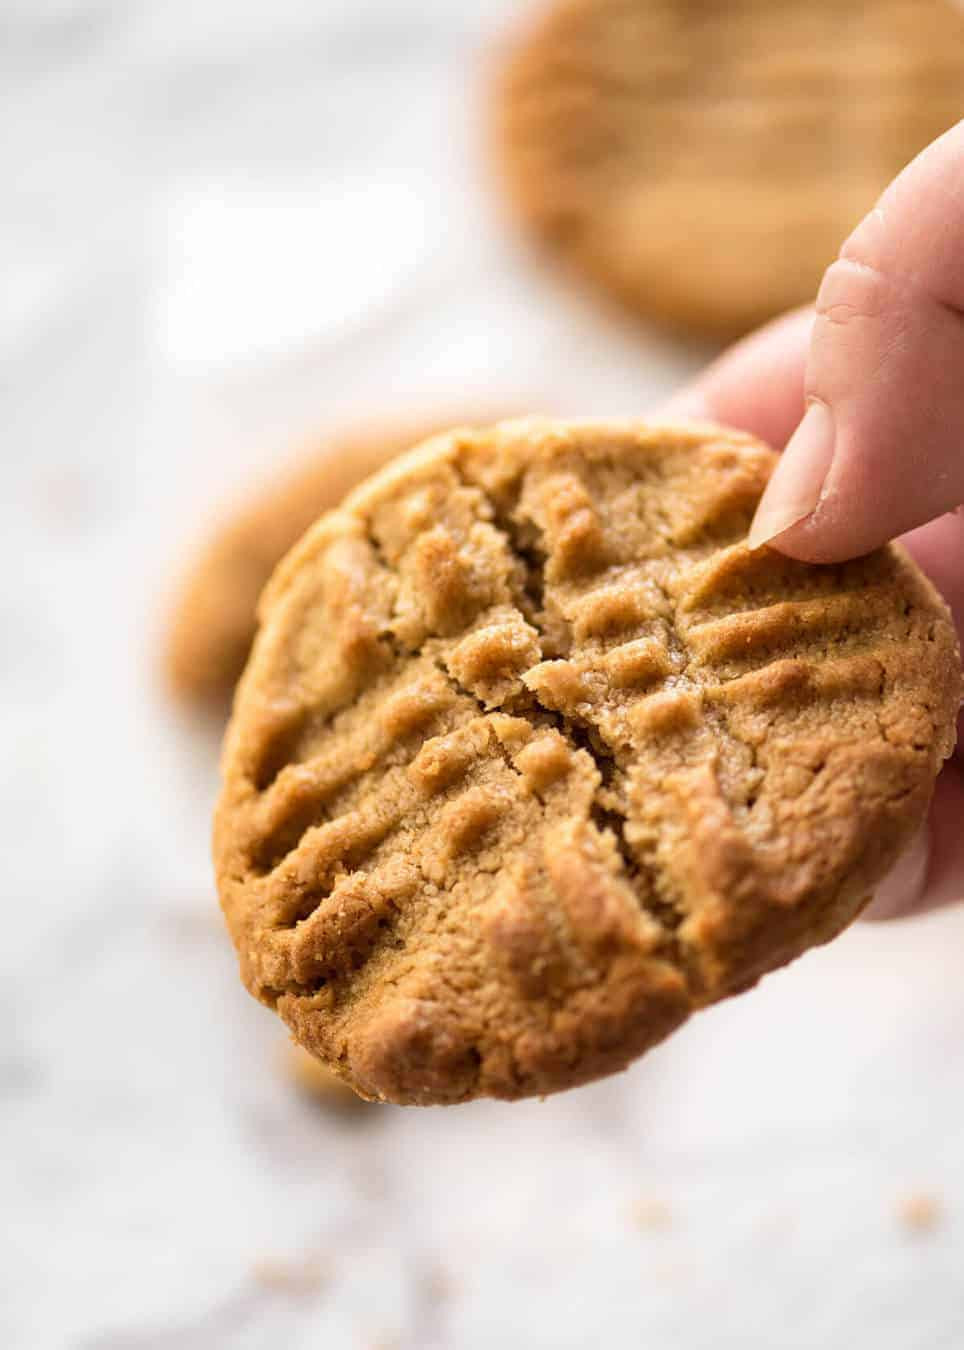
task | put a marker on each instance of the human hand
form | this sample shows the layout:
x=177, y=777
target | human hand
x=866, y=392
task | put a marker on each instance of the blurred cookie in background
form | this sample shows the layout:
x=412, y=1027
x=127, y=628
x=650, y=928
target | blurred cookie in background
x=703, y=163
x=214, y=617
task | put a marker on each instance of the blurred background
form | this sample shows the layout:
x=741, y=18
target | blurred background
x=225, y=230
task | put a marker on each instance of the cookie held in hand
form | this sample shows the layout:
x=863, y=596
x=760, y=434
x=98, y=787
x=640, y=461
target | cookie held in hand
x=534, y=757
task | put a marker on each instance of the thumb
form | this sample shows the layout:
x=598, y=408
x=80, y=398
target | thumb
x=880, y=448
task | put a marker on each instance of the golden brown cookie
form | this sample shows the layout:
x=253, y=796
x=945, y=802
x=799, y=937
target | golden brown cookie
x=705, y=162
x=533, y=756
x=213, y=620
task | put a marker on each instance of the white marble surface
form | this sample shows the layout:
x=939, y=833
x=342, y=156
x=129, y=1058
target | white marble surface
x=224, y=225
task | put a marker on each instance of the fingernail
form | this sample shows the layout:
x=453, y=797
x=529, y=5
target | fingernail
x=797, y=482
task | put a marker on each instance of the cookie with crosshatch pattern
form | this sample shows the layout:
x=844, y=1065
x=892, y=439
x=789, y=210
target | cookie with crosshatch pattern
x=534, y=756
x=213, y=620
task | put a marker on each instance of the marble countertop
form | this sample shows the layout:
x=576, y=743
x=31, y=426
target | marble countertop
x=225, y=226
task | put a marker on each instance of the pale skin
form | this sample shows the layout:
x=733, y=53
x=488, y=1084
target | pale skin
x=865, y=392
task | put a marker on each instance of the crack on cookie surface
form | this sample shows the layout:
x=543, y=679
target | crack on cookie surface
x=525, y=546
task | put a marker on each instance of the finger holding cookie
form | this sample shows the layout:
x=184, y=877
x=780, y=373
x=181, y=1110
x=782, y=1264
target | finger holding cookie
x=878, y=451
x=866, y=395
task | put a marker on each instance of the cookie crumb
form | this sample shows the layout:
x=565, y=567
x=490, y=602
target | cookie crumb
x=298, y=1277
x=652, y=1214
x=670, y=1272
x=437, y=1284
x=920, y=1212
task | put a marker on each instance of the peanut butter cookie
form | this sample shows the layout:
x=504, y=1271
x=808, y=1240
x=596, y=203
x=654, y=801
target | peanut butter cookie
x=705, y=162
x=534, y=756
x=214, y=616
